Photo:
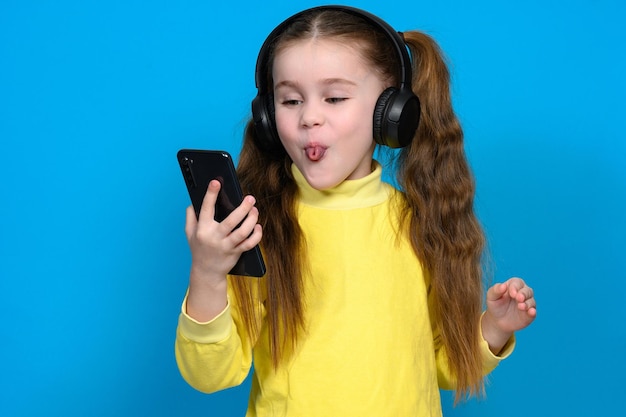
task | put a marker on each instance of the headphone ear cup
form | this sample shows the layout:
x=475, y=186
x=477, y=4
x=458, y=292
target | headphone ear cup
x=263, y=115
x=271, y=112
x=380, y=111
x=396, y=117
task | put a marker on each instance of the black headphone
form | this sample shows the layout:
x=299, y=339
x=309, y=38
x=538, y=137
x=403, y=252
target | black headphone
x=397, y=110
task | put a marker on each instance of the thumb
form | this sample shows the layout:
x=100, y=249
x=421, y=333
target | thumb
x=191, y=222
x=496, y=291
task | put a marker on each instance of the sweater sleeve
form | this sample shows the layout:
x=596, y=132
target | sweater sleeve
x=214, y=355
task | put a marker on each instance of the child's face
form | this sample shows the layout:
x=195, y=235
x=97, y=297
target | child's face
x=324, y=96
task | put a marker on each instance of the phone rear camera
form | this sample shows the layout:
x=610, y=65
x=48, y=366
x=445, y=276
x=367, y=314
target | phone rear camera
x=187, y=173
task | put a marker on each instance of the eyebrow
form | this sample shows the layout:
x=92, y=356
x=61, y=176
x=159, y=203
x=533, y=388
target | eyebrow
x=327, y=81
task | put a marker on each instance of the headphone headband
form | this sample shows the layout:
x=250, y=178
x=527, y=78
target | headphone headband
x=397, y=111
x=395, y=37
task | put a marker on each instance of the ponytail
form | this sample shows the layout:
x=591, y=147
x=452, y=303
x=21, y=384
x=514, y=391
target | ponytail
x=445, y=233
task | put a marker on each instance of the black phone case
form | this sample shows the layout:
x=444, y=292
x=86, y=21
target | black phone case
x=199, y=167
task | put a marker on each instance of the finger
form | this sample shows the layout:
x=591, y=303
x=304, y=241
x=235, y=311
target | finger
x=246, y=227
x=514, y=286
x=515, y=283
x=496, y=291
x=523, y=294
x=239, y=214
x=191, y=222
x=252, y=240
x=528, y=305
x=207, y=211
x=530, y=312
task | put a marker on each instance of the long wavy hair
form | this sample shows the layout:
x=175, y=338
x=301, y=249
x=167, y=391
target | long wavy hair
x=434, y=176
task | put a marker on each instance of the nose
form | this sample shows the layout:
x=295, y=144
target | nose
x=312, y=115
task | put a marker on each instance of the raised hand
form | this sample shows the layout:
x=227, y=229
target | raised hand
x=511, y=306
x=215, y=248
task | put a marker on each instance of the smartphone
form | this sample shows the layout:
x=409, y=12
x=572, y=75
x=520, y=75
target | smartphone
x=199, y=167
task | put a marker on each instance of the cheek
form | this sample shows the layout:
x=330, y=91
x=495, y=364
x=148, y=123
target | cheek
x=281, y=119
x=280, y=127
x=284, y=127
x=362, y=121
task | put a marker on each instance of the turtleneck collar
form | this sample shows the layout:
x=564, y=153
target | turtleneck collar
x=350, y=194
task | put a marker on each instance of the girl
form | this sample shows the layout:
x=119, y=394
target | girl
x=372, y=298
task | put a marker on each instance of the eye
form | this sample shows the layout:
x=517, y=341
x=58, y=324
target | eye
x=335, y=100
x=290, y=102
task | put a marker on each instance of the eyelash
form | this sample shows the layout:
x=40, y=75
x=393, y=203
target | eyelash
x=331, y=100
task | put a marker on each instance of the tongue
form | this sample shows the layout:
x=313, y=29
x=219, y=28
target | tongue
x=315, y=153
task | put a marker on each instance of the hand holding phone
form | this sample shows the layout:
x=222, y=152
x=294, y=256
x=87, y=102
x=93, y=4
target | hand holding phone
x=199, y=168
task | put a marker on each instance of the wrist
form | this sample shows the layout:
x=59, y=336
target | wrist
x=206, y=279
x=207, y=296
x=495, y=337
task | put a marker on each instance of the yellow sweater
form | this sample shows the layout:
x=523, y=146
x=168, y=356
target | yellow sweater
x=369, y=348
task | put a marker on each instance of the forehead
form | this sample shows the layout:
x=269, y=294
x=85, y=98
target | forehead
x=332, y=45
x=319, y=53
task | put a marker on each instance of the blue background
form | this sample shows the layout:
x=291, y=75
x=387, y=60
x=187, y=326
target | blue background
x=97, y=97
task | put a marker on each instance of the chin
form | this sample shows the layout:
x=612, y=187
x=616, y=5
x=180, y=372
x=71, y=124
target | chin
x=321, y=182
